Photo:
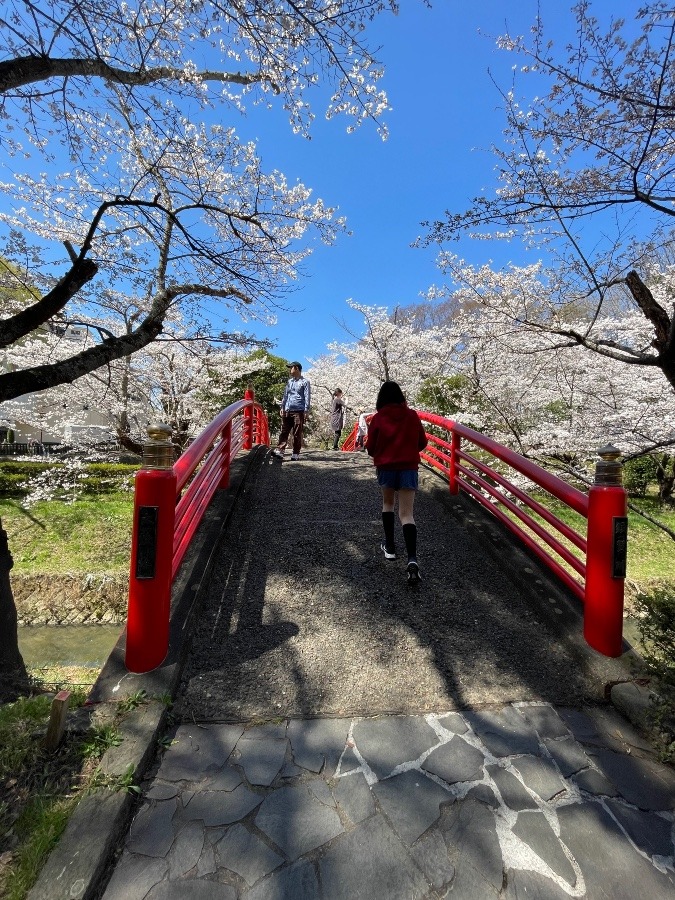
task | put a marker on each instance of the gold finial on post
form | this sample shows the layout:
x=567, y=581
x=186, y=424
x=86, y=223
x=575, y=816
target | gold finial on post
x=609, y=468
x=158, y=452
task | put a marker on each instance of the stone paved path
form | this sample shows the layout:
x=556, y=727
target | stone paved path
x=518, y=801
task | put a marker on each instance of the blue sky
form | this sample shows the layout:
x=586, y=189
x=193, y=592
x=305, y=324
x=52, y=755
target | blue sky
x=445, y=115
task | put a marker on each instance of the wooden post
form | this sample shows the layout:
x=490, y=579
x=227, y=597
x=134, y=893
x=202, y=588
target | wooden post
x=57, y=721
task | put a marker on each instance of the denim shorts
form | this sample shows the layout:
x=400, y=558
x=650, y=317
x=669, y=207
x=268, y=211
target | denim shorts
x=398, y=479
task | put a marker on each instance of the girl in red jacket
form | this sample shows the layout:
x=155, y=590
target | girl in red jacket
x=395, y=438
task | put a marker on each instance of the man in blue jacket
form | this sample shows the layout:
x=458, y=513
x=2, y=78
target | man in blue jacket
x=294, y=410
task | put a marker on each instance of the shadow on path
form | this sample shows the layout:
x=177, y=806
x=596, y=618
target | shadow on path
x=305, y=617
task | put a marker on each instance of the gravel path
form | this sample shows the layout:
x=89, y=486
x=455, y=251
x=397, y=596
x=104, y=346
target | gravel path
x=304, y=617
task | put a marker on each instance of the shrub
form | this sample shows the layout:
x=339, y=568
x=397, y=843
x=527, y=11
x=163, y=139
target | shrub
x=108, y=478
x=655, y=615
x=14, y=475
x=111, y=470
x=638, y=473
x=23, y=467
x=12, y=485
x=18, y=478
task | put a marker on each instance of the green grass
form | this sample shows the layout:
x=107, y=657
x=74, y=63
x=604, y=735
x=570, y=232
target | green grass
x=92, y=535
x=37, y=790
x=651, y=552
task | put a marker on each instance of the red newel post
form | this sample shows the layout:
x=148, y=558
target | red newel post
x=151, y=554
x=248, y=420
x=606, y=556
x=456, y=442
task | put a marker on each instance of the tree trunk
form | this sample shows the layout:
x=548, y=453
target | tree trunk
x=665, y=475
x=13, y=675
x=129, y=443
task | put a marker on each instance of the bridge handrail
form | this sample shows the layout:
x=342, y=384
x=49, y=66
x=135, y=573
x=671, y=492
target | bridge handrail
x=169, y=504
x=555, y=486
x=191, y=457
x=474, y=481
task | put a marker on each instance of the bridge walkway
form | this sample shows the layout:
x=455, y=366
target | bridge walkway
x=304, y=616
x=340, y=736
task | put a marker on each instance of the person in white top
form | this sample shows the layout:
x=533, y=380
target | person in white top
x=361, y=431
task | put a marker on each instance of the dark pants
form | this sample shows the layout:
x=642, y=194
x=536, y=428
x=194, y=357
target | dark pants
x=292, y=421
x=336, y=442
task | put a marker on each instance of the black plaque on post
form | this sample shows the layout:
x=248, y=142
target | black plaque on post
x=619, y=546
x=146, y=542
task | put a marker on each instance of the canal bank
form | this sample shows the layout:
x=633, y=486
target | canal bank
x=70, y=599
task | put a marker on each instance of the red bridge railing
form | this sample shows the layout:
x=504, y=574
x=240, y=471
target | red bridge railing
x=169, y=503
x=598, y=571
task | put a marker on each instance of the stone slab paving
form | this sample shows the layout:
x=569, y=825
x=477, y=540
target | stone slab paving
x=520, y=801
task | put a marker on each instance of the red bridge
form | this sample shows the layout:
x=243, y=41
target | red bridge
x=172, y=498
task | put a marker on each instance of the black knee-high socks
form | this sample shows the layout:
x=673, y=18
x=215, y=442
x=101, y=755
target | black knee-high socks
x=388, y=523
x=409, y=535
x=410, y=538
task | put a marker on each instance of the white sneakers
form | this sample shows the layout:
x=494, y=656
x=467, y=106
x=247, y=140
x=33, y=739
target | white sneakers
x=280, y=454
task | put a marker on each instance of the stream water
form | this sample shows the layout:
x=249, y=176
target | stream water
x=67, y=645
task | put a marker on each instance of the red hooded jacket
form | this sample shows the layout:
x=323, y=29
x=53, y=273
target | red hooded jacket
x=395, y=437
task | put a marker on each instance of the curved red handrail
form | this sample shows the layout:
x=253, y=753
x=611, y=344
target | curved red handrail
x=209, y=456
x=493, y=490
x=555, y=486
x=169, y=505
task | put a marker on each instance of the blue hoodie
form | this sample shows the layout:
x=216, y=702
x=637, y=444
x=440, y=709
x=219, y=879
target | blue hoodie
x=296, y=395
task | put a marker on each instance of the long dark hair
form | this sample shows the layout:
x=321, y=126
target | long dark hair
x=390, y=392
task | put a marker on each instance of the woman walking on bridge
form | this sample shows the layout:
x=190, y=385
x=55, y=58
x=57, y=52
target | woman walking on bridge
x=395, y=438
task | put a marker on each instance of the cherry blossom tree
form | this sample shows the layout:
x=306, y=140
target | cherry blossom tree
x=107, y=111
x=586, y=176
x=154, y=198
x=391, y=346
x=484, y=366
x=551, y=402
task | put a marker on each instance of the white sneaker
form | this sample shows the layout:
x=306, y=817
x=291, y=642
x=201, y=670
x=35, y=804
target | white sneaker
x=278, y=453
x=295, y=456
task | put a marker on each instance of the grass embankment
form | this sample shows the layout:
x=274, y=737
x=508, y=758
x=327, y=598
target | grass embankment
x=37, y=792
x=39, y=789
x=53, y=537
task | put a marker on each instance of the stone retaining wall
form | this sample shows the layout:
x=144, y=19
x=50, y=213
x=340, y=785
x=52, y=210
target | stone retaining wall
x=95, y=599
